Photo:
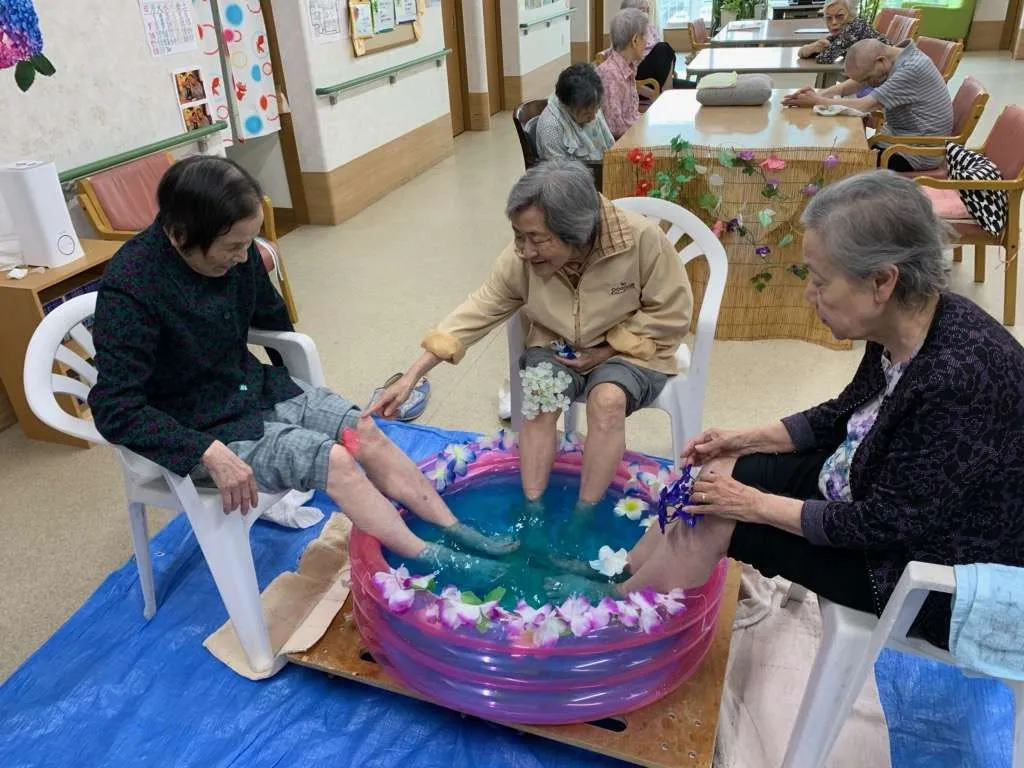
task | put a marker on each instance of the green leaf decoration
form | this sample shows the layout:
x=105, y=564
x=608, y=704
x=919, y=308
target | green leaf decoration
x=42, y=65
x=676, y=144
x=742, y=231
x=470, y=598
x=495, y=595
x=786, y=240
x=760, y=281
x=656, y=193
x=688, y=163
x=727, y=157
x=708, y=202
x=24, y=75
x=800, y=270
x=682, y=179
x=766, y=216
x=482, y=625
x=769, y=191
x=666, y=191
x=749, y=170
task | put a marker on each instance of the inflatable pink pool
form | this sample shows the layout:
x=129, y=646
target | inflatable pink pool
x=538, y=664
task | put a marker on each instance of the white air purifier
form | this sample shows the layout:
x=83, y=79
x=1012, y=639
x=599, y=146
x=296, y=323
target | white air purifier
x=31, y=192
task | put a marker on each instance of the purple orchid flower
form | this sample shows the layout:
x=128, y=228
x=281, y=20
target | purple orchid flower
x=746, y=155
x=762, y=251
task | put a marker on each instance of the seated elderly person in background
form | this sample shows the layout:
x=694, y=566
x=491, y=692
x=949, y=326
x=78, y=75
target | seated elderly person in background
x=920, y=457
x=845, y=28
x=178, y=385
x=621, y=102
x=659, y=61
x=907, y=86
x=571, y=125
x=605, y=304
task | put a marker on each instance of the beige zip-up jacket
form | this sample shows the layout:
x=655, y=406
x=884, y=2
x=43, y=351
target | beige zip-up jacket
x=633, y=293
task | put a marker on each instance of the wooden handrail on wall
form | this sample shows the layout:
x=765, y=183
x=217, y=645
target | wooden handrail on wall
x=546, y=20
x=198, y=135
x=332, y=91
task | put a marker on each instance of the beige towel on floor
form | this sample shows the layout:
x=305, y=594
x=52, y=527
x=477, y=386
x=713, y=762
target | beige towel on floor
x=299, y=606
x=769, y=662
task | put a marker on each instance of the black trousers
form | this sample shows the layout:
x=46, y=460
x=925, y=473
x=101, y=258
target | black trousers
x=840, y=575
x=896, y=162
x=658, y=64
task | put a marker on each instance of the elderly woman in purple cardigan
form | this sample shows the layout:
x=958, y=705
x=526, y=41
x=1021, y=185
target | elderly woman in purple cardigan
x=921, y=457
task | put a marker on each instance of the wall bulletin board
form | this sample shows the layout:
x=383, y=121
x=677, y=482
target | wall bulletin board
x=378, y=25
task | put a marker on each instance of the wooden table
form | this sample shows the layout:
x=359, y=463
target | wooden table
x=811, y=146
x=23, y=303
x=768, y=33
x=766, y=61
x=784, y=9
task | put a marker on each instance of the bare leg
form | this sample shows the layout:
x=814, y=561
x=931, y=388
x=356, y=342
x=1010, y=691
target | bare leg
x=537, y=443
x=606, y=440
x=397, y=477
x=643, y=549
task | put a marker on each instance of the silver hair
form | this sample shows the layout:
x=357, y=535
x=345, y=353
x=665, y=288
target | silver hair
x=627, y=24
x=847, y=4
x=564, y=190
x=632, y=4
x=879, y=219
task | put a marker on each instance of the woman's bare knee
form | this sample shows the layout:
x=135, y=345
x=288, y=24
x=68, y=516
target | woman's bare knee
x=606, y=407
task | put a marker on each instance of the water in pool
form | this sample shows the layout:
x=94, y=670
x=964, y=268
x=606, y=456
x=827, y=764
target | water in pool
x=494, y=504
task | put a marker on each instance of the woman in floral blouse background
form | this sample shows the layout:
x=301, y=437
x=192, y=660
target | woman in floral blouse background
x=844, y=29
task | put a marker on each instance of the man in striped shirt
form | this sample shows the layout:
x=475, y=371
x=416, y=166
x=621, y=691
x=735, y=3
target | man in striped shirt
x=907, y=86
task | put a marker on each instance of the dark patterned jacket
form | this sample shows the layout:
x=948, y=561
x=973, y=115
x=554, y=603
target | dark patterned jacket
x=175, y=373
x=838, y=45
x=940, y=475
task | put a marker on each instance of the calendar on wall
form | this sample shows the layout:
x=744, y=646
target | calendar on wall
x=169, y=26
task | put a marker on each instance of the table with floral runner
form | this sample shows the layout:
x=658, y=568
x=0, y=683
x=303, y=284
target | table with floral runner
x=748, y=173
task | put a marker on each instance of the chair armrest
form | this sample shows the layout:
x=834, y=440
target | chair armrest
x=296, y=349
x=917, y=581
x=979, y=184
x=906, y=149
x=904, y=139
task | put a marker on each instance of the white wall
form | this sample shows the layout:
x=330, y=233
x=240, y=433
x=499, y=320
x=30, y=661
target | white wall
x=263, y=159
x=476, y=49
x=580, y=23
x=365, y=118
x=526, y=50
x=109, y=94
x=990, y=10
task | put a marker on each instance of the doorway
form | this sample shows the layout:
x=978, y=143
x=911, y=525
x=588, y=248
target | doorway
x=596, y=28
x=458, y=83
x=495, y=62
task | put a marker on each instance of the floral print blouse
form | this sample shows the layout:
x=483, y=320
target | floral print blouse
x=834, y=480
x=621, y=103
x=838, y=44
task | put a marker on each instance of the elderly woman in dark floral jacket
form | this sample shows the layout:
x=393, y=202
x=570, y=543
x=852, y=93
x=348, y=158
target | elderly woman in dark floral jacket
x=845, y=28
x=921, y=457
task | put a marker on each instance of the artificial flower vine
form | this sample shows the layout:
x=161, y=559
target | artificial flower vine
x=668, y=185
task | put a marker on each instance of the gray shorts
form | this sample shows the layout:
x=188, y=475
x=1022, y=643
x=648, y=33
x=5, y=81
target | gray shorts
x=298, y=435
x=641, y=385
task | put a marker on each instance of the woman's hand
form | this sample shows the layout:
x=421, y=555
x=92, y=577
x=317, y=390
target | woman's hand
x=721, y=495
x=233, y=477
x=715, y=444
x=392, y=398
x=588, y=359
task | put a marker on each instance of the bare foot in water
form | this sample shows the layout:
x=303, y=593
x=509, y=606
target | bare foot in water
x=686, y=557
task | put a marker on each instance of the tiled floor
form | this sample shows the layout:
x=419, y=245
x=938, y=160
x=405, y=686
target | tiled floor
x=367, y=290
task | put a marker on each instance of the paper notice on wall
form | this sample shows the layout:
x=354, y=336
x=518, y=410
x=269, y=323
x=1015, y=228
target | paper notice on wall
x=325, y=19
x=362, y=20
x=405, y=11
x=169, y=26
x=383, y=15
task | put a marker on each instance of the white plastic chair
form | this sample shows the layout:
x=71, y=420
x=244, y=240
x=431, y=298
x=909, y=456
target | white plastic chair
x=224, y=539
x=850, y=644
x=683, y=396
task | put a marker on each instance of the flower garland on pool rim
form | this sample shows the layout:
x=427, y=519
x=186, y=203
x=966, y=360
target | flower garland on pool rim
x=645, y=610
x=669, y=186
x=21, y=43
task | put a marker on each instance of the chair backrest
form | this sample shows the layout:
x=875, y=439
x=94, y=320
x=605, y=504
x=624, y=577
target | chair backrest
x=902, y=28
x=63, y=341
x=698, y=33
x=968, y=107
x=599, y=58
x=705, y=243
x=126, y=194
x=520, y=117
x=945, y=54
x=885, y=16
x=1004, y=146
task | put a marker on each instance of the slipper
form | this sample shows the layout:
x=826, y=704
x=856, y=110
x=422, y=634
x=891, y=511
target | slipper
x=412, y=408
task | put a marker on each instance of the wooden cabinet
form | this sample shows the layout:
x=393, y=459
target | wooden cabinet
x=23, y=303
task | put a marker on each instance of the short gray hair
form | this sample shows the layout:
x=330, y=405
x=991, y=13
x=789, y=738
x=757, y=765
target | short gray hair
x=847, y=4
x=626, y=24
x=879, y=219
x=633, y=4
x=564, y=190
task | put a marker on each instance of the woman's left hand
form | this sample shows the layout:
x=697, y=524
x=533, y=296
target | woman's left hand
x=587, y=359
x=721, y=495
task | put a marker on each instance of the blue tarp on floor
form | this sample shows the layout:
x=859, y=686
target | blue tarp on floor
x=111, y=689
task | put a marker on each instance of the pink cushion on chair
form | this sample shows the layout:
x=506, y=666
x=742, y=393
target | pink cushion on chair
x=127, y=193
x=947, y=204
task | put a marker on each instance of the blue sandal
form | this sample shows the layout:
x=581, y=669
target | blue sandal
x=412, y=408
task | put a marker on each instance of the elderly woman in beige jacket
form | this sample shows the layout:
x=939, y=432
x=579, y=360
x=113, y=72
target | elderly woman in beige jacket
x=604, y=287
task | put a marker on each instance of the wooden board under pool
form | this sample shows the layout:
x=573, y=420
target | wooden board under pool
x=679, y=730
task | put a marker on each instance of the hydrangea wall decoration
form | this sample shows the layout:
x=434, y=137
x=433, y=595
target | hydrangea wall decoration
x=21, y=43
